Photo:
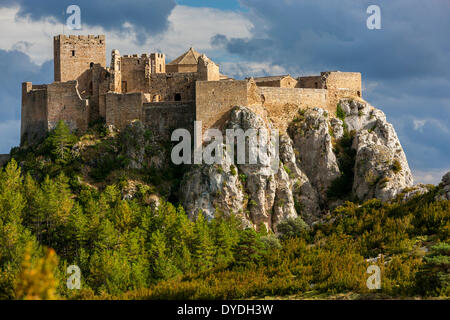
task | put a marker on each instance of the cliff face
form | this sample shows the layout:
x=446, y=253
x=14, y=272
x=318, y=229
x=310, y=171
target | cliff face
x=323, y=161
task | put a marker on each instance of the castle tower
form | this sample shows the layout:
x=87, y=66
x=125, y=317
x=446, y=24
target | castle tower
x=158, y=62
x=207, y=69
x=74, y=55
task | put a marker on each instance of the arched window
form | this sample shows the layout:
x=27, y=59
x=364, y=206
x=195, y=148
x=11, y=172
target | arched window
x=177, y=97
x=91, y=65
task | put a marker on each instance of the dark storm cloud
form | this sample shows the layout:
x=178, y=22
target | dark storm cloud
x=148, y=16
x=331, y=34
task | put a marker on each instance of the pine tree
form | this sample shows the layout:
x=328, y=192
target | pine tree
x=249, y=248
x=60, y=143
x=161, y=264
x=203, y=245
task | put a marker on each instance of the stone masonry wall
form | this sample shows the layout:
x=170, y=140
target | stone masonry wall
x=65, y=103
x=34, y=113
x=181, y=68
x=215, y=99
x=167, y=85
x=122, y=108
x=161, y=118
x=342, y=85
x=135, y=73
x=282, y=104
x=313, y=82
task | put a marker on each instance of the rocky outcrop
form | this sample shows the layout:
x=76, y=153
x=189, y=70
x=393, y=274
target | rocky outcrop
x=313, y=142
x=444, y=188
x=309, y=163
x=253, y=191
x=381, y=168
x=140, y=149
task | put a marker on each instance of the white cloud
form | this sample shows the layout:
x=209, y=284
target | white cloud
x=188, y=26
x=429, y=176
x=419, y=124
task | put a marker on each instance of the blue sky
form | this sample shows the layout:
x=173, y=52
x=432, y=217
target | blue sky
x=405, y=65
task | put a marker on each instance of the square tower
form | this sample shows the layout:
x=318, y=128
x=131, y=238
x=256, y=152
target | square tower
x=158, y=62
x=74, y=55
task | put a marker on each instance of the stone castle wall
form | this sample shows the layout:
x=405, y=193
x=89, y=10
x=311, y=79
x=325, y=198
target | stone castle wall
x=122, y=108
x=138, y=87
x=173, y=86
x=34, y=113
x=65, y=103
x=215, y=99
x=44, y=106
x=283, y=104
x=135, y=72
x=161, y=118
x=338, y=84
x=342, y=85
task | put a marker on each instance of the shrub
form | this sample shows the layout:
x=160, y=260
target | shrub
x=396, y=166
x=291, y=228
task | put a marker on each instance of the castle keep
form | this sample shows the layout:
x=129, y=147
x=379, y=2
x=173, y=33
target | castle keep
x=163, y=96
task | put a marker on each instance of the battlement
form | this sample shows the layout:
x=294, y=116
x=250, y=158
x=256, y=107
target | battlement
x=63, y=37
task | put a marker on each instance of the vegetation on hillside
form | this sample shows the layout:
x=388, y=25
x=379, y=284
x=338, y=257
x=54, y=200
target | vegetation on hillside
x=54, y=214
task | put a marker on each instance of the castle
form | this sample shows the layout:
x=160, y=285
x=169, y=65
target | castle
x=163, y=96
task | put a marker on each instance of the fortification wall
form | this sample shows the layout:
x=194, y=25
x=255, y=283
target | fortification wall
x=135, y=71
x=168, y=86
x=161, y=118
x=282, y=104
x=341, y=85
x=185, y=68
x=287, y=82
x=313, y=82
x=65, y=103
x=34, y=113
x=215, y=99
x=122, y=108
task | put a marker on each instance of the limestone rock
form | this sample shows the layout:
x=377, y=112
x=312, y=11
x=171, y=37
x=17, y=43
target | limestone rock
x=255, y=191
x=410, y=192
x=210, y=187
x=313, y=145
x=307, y=167
x=444, y=188
x=381, y=168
